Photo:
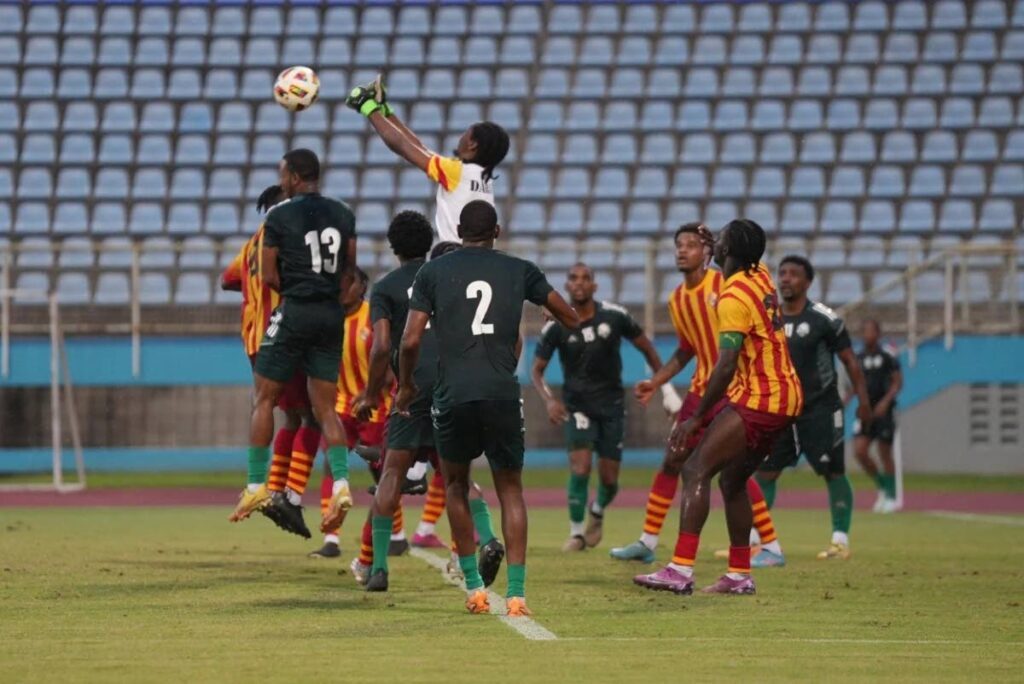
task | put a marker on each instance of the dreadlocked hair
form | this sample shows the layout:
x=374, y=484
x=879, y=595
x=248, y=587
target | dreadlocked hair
x=269, y=197
x=491, y=146
x=410, y=234
x=746, y=241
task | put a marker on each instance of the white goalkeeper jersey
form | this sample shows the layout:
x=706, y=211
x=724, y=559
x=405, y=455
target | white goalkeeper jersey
x=458, y=184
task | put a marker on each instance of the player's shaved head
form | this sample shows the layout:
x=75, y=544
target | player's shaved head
x=478, y=222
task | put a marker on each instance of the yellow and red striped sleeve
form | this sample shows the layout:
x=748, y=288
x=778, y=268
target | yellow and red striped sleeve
x=445, y=171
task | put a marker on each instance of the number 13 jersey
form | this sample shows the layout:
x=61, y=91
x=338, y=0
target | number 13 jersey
x=765, y=379
x=313, y=235
x=475, y=298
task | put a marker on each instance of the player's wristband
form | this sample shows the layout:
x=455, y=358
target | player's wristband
x=669, y=392
x=369, y=107
x=386, y=109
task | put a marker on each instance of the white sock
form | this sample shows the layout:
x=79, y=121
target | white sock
x=424, y=529
x=840, y=538
x=330, y=539
x=294, y=498
x=576, y=529
x=253, y=486
x=685, y=570
x=774, y=547
x=596, y=509
x=417, y=472
x=737, y=575
x=338, y=484
x=649, y=540
x=399, y=536
x=755, y=538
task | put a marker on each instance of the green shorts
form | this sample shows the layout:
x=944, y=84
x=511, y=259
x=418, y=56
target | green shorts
x=818, y=435
x=306, y=335
x=880, y=430
x=416, y=430
x=602, y=435
x=493, y=427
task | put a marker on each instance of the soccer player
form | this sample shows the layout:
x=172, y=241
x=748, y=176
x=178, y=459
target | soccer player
x=692, y=310
x=300, y=434
x=815, y=335
x=884, y=381
x=464, y=177
x=308, y=256
x=756, y=374
x=594, y=413
x=473, y=300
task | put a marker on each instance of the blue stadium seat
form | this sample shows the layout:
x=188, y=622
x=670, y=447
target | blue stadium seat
x=271, y=117
x=838, y=217
x=439, y=83
x=225, y=184
x=814, y=81
x=927, y=180
x=221, y=219
x=694, y=115
x=444, y=51
x=517, y=50
x=939, y=146
x=76, y=52
x=194, y=21
x=642, y=19
x=154, y=21
x=74, y=84
x=185, y=184
x=511, y=83
x=534, y=183
x=40, y=116
x=196, y=117
x=231, y=149
x=108, y=218
x=709, y=50
x=847, y=181
x=871, y=16
x=755, y=18
x=930, y=79
x=411, y=184
x=940, y=47
x=949, y=14
x=844, y=287
x=1013, y=149
x=559, y=51
x=818, y=148
x=553, y=83
x=1013, y=46
x=192, y=149
x=9, y=117
x=35, y=183
x=650, y=183
x=508, y=113
x=980, y=46
x=828, y=253
x=184, y=218
x=225, y=52
x=590, y=83
x=564, y=18
x=656, y=115
x=980, y=145
x=146, y=217
x=153, y=149
x=738, y=82
x=776, y=81
x=778, y=148
x=968, y=181
x=824, y=48
x=763, y=212
x=911, y=15
x=582, y=116
x=73, y=183
x=882, y=114
x=785, y=49
x=899, y=146
x=152, y=184
x=900, y=48
x=38, y=148
x=728, y=181
x=596, y=51
x=263, y=52
x=542, y=149
x=191, y=288
x=8, y=149
x=32, y=217
x=690, y=183
x=36, y=83
x=805, y=115
x=671, y=50
x=642, y=217
x=529, y=216
x=698, y=148
x=890, y=80
x=767, y=182
x=730, y=115
x=995, y=112
x=1007, y=180
x=572, y=183
x=152, y=52
x=701, y=82
x=619, y=149
x=957, y=216
x=1006, y=78
x=427, y=116
x=997, y=215
x=630, y=83
x=605, y=217
x=957, y=112
x=737, y=148
x=717, y=19
x=634, y=51
x=886, y=181
x=678, y=18
x=298, y=51
x=475, y=83
x=799, y=217
x=852, y=80
x=768, y=115
x=566, y=217
x=220, y=84
x=658, y=148
x=807, y=181
x=580, y=148
x=77, y=149
x=917, y=216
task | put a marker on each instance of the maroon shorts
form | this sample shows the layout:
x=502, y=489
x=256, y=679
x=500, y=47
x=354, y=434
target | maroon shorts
x=294, y=396
x=762, y=428
x=690, y=405
x=370, y=434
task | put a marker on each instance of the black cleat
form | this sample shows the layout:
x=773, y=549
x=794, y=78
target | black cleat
x=328, y=550
x=372, y=490
x=378, y=581
x=415, y=487
x=398, y=547
x=370, y=454
x=286, y=515
x=491, y=555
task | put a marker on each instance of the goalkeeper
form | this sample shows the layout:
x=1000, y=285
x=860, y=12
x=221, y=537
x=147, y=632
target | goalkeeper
x=461, y=179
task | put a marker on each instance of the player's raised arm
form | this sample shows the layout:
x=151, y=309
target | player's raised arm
x=645, y=388
x=369, y=101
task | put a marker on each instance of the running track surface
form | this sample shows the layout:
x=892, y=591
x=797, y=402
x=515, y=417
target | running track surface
x=968, y=502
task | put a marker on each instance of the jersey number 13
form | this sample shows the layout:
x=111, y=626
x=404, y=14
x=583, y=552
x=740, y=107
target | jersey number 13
x=331, y=238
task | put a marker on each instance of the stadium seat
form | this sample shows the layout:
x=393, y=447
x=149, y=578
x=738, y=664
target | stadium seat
x=883, y=115
x=221, y=219
x=32, y=217
x=738, y=148
x=778, y=148
x=689, y=183
x=807, y=182
x=738, y=82
x=847, y=181
x=968, y=181
x=184, y=218
x=767, y=182
x=566, y=217
x=956, y=216
x=814, y=81
x=35, y=183
x=799, y=217
x=917, y=216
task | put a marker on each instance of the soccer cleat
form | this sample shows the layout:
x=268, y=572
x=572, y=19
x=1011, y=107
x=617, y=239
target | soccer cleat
x=428, y=541
x=370, y=454
x=339, y=504
x=889, y=506
x=398, y=547
x=415, y=487
x=378, y=581
x=637, y=551
x=477, y=603
x=728, y=585
x=595, y=530
x=491, y=555
x=666, y=579
x=328, y=550
x=575, y=543
x=360, y=571
x=879, y=502
x=286, y=515
x=517, y=607
x=767, y=559
x=250, y=501
x=835, y=552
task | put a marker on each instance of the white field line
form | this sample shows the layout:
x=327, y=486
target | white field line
x=897, y=642
x=527, y=627
x=979, y=517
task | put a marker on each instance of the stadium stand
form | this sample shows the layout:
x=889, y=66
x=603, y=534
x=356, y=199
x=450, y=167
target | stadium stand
x=865, y=130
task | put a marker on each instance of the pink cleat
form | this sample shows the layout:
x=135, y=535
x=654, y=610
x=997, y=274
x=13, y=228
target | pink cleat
x=728, y=585
x=428, y=541
x=666, y=579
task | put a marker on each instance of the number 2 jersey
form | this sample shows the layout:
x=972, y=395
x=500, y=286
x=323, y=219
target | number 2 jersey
x=475, y=298
x=258, y=300
x=765, y=379
x=313, y=235
x=458, y=184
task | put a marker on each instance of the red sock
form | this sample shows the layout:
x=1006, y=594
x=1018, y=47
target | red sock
x=739, y=559
x=326, y=487
x=303, y=454
x=762, y=517
x=434, y=507
x=281, y=459
x=686, y=549
x=366, y=544
x=659, y=501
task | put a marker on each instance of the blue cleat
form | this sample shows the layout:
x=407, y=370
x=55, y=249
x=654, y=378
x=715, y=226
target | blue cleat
x=767, y=559
x=636, y=551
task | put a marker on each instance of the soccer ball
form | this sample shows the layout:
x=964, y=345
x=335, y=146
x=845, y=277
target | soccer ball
x=296, y=88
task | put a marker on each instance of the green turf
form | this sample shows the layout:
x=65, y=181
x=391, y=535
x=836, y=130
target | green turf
x=553, y=477
x=180, y=594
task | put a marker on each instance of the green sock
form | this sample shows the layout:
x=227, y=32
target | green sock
x=258, y=458
x=889, y=485
x=381, y=531
x=337, y=456
x=605, y=495
x=840, y=502
x=578, y=485
x=470, y=572
x=481, y=520
x=768, y=487
x=880, y=481
x=516, y=581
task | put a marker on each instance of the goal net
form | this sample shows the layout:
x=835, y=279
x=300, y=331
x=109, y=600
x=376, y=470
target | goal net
x=48, y=474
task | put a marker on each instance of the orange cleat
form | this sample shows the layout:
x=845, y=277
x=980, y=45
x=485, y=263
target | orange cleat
x=477, y=602
x=517, y=607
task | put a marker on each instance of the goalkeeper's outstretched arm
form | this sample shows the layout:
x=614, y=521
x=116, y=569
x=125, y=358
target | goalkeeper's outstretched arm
x=400, y=140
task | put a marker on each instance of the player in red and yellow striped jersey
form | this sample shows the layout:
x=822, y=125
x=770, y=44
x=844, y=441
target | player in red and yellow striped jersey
x=755, y=373
x=299, y=432
x=692, y=310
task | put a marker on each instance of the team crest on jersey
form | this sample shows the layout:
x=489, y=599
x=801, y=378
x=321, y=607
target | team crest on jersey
x=604, y=330
x=573, y=338
x=712, y=300
x=364, y=334
x=803, y=330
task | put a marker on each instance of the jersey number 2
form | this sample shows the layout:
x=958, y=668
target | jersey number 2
x=481, y=289
x=330, y=237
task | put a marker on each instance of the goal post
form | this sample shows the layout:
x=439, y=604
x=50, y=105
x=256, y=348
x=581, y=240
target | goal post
x=62, y=405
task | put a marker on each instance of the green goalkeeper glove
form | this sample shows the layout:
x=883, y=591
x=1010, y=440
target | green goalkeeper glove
x=363, y=99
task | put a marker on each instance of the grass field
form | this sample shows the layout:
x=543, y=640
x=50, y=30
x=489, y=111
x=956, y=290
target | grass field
x=99, y=594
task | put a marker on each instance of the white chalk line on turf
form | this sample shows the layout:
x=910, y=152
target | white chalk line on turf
x=798, y=640
x=979, y=517
x=527, y=627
